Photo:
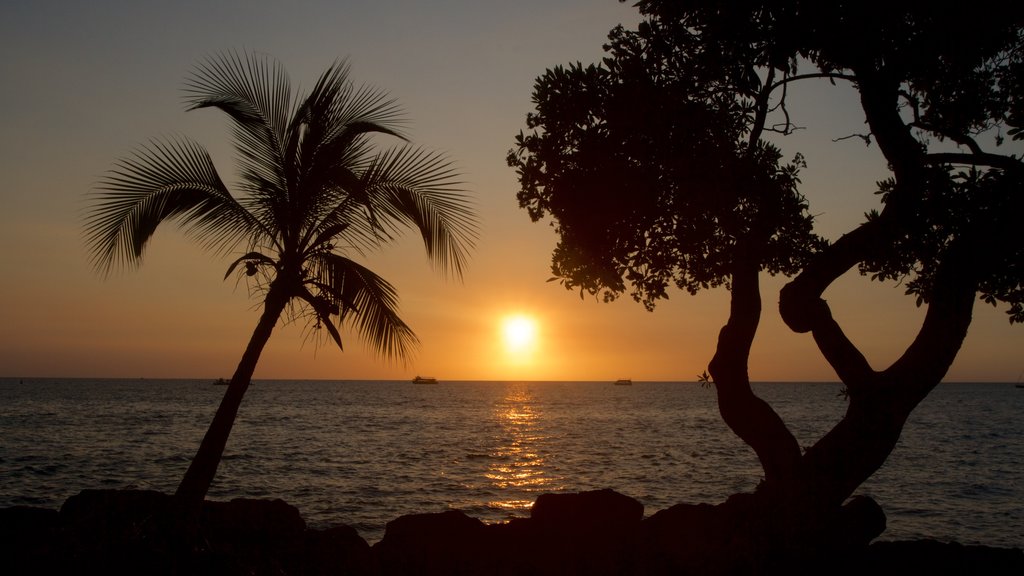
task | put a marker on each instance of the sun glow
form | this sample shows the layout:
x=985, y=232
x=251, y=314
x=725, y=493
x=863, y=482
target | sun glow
x=519, y=332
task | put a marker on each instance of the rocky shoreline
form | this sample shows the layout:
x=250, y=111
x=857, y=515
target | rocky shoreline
x=594, y=533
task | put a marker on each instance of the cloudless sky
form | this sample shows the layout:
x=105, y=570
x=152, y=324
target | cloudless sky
x=83, y=83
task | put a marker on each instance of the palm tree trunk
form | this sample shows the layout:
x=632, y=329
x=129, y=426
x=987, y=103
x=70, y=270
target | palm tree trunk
x=196, y=482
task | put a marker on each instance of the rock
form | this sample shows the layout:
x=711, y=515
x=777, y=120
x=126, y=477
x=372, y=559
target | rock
x=939, y=559
x=28, y=537
x=682, y=539
x=755, y=534
x=861, y=520
x=598, y=533
x=585, y=533
x=136, y=532
x=593, y=511
x=119, y=531
x=338, y=550
x=441, y=543
x=244, y=535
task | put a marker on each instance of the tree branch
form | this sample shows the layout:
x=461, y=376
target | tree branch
x=978, y=159
x=830, y=75
x=945, y=326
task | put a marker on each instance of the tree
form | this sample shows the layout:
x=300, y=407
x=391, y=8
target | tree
x=655, y=168
x=314, y=189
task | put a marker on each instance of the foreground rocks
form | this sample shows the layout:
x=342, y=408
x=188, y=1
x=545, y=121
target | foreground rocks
x=131, y=532
x=593, y=533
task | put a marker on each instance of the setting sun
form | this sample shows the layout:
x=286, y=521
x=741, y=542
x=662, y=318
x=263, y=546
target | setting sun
x=519, y=332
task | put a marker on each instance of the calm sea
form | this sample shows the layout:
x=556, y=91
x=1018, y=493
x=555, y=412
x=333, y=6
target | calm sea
x=363, y=453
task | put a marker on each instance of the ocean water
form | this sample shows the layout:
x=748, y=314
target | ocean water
x=363, y=453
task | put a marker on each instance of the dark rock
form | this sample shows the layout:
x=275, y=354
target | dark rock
x=246, y=536
x=598, y=533
x=860, y=521
x=585, y=533
x=596, y=510
x=28, y=537
x=755, y=534
x=683, y=539
x=338, y=550
x=939, y=559
x=441, y=543
x=138, y=532
x=119, y=532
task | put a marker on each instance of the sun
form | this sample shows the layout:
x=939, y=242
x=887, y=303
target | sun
x=519, y=332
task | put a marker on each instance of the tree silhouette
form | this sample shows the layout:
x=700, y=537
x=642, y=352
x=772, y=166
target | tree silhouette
x=655, y=169
x=314, y=189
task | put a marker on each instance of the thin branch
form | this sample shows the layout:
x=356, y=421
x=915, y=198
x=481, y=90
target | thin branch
x=961, y=139
x=980, y=159
x=829, y=75
x=865, y=137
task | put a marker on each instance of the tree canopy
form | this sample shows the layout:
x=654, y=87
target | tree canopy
x=652, y=164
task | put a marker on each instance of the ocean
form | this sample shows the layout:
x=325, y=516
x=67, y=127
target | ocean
x=365, y=452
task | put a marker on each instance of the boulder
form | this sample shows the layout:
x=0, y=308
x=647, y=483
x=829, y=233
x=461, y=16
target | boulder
x=336, y=551
x=585, y=533
x=439, y=543
x=595, y=511
x=938, y=559
x=28, y=537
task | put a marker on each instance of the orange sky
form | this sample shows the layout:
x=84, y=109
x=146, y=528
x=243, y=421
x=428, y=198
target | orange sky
x=85, y=84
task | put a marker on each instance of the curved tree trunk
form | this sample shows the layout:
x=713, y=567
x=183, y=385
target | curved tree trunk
x=881, y=402
x=196, y=482
x=750, y=417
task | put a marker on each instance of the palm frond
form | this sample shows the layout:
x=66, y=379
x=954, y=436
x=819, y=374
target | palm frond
x=367, y=302
x=166, y=180
x=323, y=308
x=254, y=91
x=328, y=138
x=418, y=188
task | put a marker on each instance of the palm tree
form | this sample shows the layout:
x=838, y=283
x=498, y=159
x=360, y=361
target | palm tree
x=314, y=189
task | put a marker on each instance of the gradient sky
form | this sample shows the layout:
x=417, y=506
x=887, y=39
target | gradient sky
x=86, y=82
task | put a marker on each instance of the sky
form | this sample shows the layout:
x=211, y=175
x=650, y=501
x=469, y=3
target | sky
x=85, y=83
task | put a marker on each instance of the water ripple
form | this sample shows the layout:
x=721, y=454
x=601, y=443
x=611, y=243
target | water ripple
x=363, y=453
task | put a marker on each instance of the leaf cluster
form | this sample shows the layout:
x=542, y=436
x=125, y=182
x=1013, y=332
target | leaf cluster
x=648, y=169
x=980, y=208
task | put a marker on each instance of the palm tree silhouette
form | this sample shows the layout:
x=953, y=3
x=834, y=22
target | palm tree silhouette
x=314, y=187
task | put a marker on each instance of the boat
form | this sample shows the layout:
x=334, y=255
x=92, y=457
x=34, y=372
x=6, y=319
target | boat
x=424, y=380
x=624, y=382
x=221, y=382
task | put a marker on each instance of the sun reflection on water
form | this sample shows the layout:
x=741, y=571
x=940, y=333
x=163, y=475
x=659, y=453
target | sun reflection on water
x=518, y=466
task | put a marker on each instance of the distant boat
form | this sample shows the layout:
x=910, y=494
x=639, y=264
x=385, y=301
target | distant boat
x=424, y=380
x=624, y=382
x=221, y=382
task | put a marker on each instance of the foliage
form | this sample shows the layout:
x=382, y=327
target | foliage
x=314, y=190
x=644, y=164
x=652, y=167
